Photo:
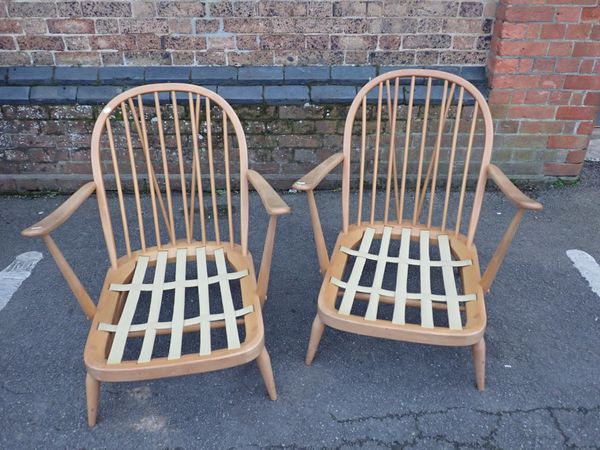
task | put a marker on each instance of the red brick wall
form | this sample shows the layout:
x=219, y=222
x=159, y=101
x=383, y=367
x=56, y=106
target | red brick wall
x=256, y=32
x=544, y=71
x=544, y=67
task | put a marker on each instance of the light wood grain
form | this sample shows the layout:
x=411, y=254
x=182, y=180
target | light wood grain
x=463, y=302
x=83, y=298
x=271, y=200
x=478, y=351
x=61, y=214
x=144, y=166
x=312, y=179
x=92, y=388
x=264, y=365
x=512, y=192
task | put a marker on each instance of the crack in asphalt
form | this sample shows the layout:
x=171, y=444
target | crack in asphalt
x=558, y=427
x=6, y=388
x=487, y=441
x=579, y=409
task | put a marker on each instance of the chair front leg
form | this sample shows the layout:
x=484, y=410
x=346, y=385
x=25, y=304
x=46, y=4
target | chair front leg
x=92, y=390
x=498, y=258
x=266, y=370
x=318, y=233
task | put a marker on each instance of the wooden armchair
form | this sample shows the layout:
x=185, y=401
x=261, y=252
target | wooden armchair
x=419, y=129
x=171, y=272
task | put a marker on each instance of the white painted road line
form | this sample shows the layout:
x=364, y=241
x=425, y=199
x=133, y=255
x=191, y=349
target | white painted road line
x=588, y=267
x=16, y=272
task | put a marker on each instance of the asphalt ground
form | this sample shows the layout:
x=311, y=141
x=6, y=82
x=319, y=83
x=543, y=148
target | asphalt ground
x=543, y=341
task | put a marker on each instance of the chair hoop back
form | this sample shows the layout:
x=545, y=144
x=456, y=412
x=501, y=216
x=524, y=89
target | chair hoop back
x=168, y=139
x=409, y=147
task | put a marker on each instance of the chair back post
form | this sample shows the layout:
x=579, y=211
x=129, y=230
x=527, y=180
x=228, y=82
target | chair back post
x=430, y=174
x=107, y=228
x=347, y=148
x=151, y=156
x=243, y=149
x=483, y=171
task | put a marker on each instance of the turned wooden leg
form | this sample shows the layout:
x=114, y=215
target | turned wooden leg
x=264, y=365
x=478, y=351
x=315, y=337
x=92, y=389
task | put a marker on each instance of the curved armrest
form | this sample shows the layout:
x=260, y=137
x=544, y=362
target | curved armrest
x=273, y=203
x=511, y=191
x=312, y=179
x=57, y=217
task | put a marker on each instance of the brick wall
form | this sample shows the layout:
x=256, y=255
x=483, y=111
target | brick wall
x=544, y=70
x=293, y=116
x=303, y=57
x=258, y=32
x=48, y=147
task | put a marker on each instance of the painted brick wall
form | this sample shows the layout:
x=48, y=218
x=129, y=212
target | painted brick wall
x=259, y=32
x=544, y=72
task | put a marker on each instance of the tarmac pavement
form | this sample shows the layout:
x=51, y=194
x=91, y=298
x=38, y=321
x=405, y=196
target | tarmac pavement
x=543, y=357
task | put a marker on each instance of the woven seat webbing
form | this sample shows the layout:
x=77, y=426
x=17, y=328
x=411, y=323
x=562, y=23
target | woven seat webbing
x=178, y=321
x=400, y=293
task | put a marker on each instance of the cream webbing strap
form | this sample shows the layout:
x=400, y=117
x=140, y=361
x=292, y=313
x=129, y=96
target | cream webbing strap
x=118, y=345
x=452, y=301
x=359, y=265
x=371, y=313
x=401, y=291
x=401, y=294
x=155, y=302
x=178, y=321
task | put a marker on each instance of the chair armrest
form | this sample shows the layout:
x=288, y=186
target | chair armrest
x=312, y=179
x=271, y=200
x=511, y=191
x=57, y=217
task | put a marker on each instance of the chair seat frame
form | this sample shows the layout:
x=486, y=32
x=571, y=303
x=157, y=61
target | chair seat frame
x=111, y=302
x=470, y=334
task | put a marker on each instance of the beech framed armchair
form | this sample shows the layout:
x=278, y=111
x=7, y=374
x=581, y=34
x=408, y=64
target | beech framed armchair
x=177, y=253
x=414, y=141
